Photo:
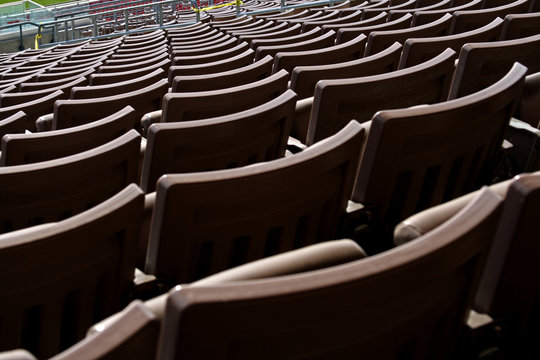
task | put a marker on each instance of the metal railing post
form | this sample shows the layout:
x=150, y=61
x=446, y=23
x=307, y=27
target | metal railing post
x=66, y=27
x=160, y=15
x=21, y=45
x=72, y=29
x=126, y=19
x=94, y=27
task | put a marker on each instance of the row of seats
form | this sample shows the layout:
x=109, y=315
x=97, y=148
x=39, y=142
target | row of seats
x=214, y=106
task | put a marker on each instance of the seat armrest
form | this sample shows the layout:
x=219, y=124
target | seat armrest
x=302, y=114
x=149, y=119
x=424, y=221
x=44, y=123
x=313, y=257
x=149, y=201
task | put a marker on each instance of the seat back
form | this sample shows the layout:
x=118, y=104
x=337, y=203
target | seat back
x=56, y=189
x=482, y=64
x=432, y=154
x=409, y=302
x=379, y=40
x=62, y=277
x=226, y=79
x=207, y=222
x=33, y=109
x=204, y=104
x=254, y=135
x=417, y=50
x=19, y=149
x=337, y=101
x=69, y=113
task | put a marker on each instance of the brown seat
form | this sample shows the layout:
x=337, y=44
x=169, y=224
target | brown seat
x=481, y=64
x=293, y=30
x=240, y=230
x=221, y=80
x=270, y=27
x=254, y=135
x=417, y=50
x=346, y=34
x=337, y=101
x=210, y=57
x=465, y=20
x=62, y=277
x=114, y=68
x=56, y=189
x=137, y=83
x=416, y=296
x=33, y=109
x=520, y=25
x=380, y=40
x=351, y=50
x=444, y=4
x=19, y=149
x=210, y=40
x=378, y=19
x=432, y=154
x=43, y=85
x=320, y=42
x=233, y=62
x=133, y=333
x=111, y=78
x=425, y=16
x=304, y=78
x=284, y=40
x=222, y=44
x=409, y=4
x=195, y=105
x=261, y=27
x=13, y=124
x=352, y=17
x=506, y=289
x=69, y=113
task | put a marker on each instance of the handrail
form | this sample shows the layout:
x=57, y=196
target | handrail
x=156, y=6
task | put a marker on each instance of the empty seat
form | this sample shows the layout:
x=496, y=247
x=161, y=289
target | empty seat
x=254, y=135
x=62, y=277
x=346, y=34
x=337, y=101
x=56, y=189
x=410, y=300
x=416, y=50
x=520, y=25
x=233, y=62
x=137, y=83
x=196, y=105
x=464, y=20
x=304, y=78
x=350, y=50
x=239, y=230
x=379, y=40
x=506, y=292
x=322, y=41
x=481, y=64
x=69, y=113
x=432, y=154
x=425, y=16
x=19, y=149
x=256, y=71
